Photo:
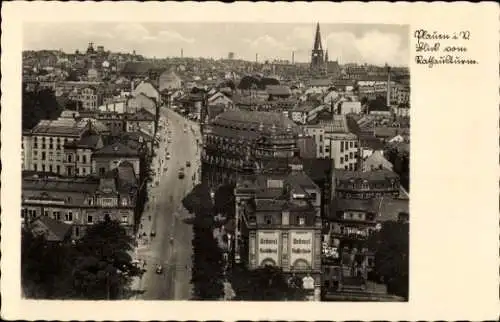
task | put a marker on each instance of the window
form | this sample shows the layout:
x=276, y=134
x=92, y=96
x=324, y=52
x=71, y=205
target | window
x=124, y=202
x=43, y=155
x=341, y=160
x=77, y=231
x=84, y=171
x=351, y=144
x=46, y=213
x=58, y=167
x=301, y=220
x=313, y=195
x=268, y=220
x=50, y=168
x=77, y=171
x=57, y=215
x=90, y=201
x=43, y=145
x=43, y=167
x=51, y=146
x=90, y=219
x=35, y=167
x=102, y=171
x=84, y=158
x=124, y=219
x=35, y=154
x=321, y=138
x=68, y=216
x=346, y=167
x=342, y=146
x=70, y=158
x=350, y=155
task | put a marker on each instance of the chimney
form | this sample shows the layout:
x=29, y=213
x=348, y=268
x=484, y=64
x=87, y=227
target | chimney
x=293, y=57
x=182, y=53
x=388, y=100
x=256, y=58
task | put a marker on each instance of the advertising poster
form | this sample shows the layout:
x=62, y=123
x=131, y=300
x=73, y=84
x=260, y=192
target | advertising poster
x=268, y=244
x=301, y=249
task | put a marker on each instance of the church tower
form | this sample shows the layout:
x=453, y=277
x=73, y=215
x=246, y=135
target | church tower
x=317, y=55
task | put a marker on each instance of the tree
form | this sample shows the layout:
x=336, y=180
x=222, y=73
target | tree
x=45, y=267
x=266, y=284
x=104, y=268
x=224, y=201
x=39, y=105
x=391, y=248
x=207, y=274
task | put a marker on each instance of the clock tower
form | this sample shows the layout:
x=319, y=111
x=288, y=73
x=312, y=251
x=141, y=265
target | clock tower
x=317, y=55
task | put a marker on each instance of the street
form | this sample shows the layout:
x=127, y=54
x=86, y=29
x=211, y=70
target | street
x=170, y=246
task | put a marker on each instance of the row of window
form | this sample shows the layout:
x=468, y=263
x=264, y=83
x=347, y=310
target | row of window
x=344, y=145
x=348, y=157
x=270, y=220
x=67, y=216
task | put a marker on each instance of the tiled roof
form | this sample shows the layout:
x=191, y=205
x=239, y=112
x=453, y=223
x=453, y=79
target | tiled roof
x=320, y=82
x=375, y=175
x=87, y=141
x=299, y=178
x=278, y=90
x=368, y=205
x=142, y=115
x=252, y=119
x=318, y=169
x=59, y=229
x=88, y=185
x=116, y=149
x=59, y=127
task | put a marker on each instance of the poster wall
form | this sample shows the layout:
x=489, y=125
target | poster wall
x=268, y=246
x=301, y=249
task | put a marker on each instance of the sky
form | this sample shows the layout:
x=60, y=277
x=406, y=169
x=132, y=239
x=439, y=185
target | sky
x=348, y=43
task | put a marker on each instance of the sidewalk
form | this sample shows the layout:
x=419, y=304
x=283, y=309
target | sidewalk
x=148, y=217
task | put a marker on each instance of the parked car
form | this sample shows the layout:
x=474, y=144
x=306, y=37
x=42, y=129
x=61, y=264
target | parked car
x=159, y=269
x=167, y=156
x=181, y=174
x=188, y=164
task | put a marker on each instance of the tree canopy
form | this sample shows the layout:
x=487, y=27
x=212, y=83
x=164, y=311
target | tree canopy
x=97, y=267
x=391, y=247
x=39, y=105
x=266, y=284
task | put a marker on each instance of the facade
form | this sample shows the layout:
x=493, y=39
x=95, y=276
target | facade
x=81, y=202
x=335, y=141
x=169, y=80
x=43, y=146
x=141, y=101
x=304, y=113
x=90, y=98
x=366, y=185
x=78, y=155
x=111, y=156
x=148, y=90
x=278, y=223
x=114, y=121
x=233, y=135
x=141, y=121
x=221, y=100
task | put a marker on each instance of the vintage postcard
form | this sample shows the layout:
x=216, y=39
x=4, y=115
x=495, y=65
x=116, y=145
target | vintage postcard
x=219, y=161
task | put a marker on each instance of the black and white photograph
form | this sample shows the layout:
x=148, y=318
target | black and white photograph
x=249, y=161
x=215, y=161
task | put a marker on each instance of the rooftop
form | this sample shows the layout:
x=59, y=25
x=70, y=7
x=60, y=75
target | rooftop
x=59, y=127
x=253, y=119
x=375, y=175
x=116, y=149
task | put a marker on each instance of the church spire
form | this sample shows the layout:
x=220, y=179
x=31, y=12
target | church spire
x=326, y=56
x=317, y=39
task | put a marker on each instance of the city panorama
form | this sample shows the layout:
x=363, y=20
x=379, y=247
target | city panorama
x=215, y=162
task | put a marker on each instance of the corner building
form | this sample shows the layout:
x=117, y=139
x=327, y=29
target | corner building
x=236, y=134
x=278, y=223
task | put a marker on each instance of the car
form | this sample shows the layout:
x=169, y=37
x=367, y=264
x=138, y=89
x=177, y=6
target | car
x=159, y=269
x=167, y=156
x=188, y=164
x=181, y=174
x=169, y=140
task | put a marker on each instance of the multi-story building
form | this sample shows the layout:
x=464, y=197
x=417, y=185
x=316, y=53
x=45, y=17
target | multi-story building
x=78, y=155
x=81, y=202
x=90, y=98
x=114, y=121
x=233, y=134
x=141, y=121
x=43, y=146
x=278, y=222
x=141, y=101
x=366, y=185
x=111, y=156
x=335, y=141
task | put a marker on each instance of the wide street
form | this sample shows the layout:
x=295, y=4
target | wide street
x=171, y=246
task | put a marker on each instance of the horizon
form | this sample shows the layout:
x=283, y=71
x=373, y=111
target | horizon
x=371, y=44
